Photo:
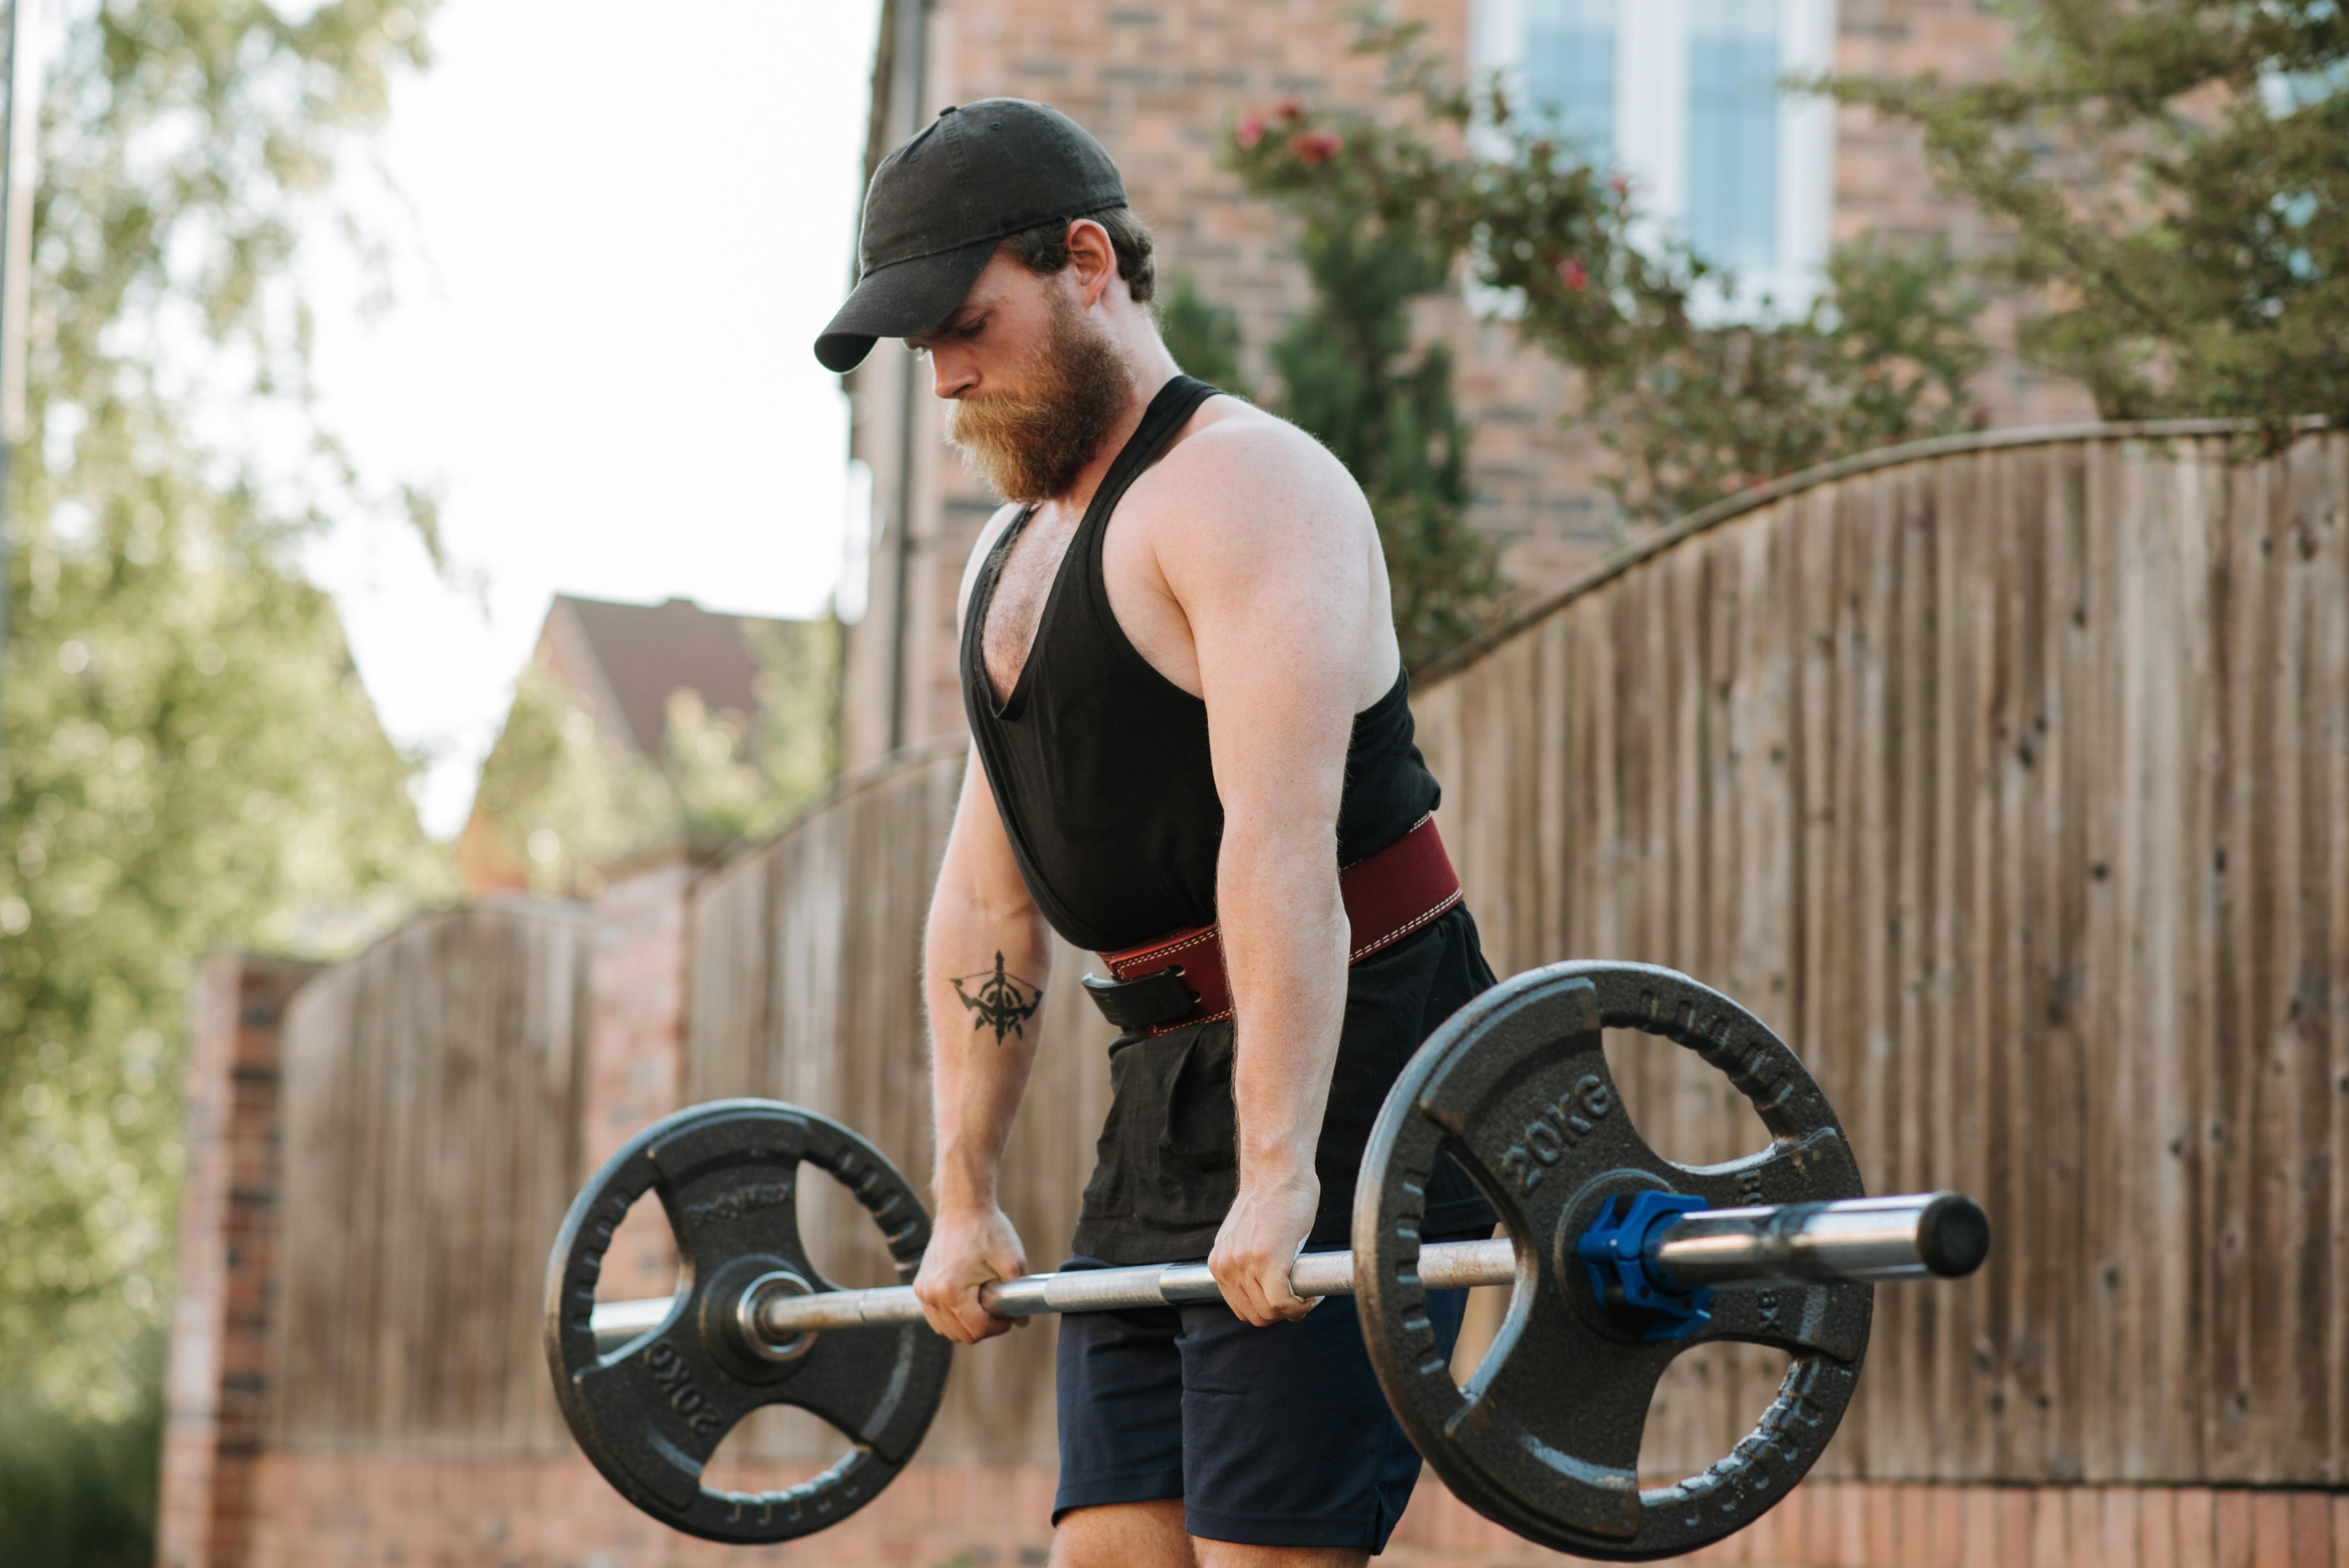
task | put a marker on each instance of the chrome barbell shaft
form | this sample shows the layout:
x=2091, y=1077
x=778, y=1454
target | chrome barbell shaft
x=1446, y=1265
x=1860, y=1239
x=1905, y=1238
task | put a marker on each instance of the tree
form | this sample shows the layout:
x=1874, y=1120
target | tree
x=191, y=762
x=1204, y=337
x=2176, y=177
x=1696, y=403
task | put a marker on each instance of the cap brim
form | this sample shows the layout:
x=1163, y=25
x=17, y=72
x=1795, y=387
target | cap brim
x=905, y=300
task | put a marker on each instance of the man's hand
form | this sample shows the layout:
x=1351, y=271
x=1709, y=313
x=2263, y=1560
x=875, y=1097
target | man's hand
x=968, y=1250
x=1258, y=1244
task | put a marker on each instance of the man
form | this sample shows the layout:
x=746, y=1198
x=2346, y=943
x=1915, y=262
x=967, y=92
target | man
x=1188, y=711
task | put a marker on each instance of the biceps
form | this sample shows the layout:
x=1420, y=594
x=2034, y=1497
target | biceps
x=1280, y=684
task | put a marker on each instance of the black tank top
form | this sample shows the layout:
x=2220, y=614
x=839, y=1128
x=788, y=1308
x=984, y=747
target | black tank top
x=1099, y=763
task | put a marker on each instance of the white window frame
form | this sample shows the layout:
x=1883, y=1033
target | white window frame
x=1651, y=128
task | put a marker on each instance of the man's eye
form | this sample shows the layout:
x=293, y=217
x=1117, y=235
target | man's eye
x=972, y=331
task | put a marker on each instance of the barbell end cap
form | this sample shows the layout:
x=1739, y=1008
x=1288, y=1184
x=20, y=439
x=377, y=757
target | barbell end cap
x=1952, y=1236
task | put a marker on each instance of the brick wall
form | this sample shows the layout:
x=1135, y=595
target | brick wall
x=352, y=1512
x=211, y=1432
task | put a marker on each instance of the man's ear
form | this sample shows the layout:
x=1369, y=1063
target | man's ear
x=1093, y=260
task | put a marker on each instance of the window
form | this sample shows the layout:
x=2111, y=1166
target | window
x=1570, y=70
x=1682, y=96
x=1733, y=132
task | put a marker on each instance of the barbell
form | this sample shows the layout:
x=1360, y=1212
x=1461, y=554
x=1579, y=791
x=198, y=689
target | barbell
x=1664, y=1259
x=1618, y=1260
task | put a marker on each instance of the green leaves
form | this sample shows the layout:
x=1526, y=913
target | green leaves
x=2174, y=177
x=1204, y=338
x=79, y=1490
x=1880, y=357
x=190, y=762
x=1443, y=181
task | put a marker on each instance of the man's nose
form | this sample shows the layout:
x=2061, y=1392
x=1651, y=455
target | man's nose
x=951, y=375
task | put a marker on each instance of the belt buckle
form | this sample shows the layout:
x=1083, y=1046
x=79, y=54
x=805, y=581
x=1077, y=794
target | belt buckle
x=1145, y=1001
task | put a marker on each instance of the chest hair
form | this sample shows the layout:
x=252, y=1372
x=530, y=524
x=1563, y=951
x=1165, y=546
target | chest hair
x=1016, y=606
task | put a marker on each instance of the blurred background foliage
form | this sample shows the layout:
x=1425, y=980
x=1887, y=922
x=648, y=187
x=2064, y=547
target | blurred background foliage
x=561, y=798
x=2170, y=180
x=189, y=761
x=745, y=775
x=2174, y=176
x=558, y=800
x=1204, y=337
x=1698, y=390
x=77, y=1488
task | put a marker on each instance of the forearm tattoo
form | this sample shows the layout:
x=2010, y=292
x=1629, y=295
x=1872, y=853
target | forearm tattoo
x=998, y=1001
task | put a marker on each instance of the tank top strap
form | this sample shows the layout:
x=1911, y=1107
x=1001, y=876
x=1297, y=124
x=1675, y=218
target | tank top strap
x=1168, y=412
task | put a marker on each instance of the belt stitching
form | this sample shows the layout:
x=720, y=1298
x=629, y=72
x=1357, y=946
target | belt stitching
x=1158, y=1029
x=1167, y=952
x=1405, y=929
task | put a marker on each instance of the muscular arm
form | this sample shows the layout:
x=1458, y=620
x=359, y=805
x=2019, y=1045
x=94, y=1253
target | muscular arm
x=983, y=1035
x=1286, y=605
x=987, y=955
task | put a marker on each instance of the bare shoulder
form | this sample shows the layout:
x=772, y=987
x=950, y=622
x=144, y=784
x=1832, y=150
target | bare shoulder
x=1004, y=516
x=1238, y=469
x=1247, y=547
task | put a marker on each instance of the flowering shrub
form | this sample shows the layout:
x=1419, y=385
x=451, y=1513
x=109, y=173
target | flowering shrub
x=1694, y=404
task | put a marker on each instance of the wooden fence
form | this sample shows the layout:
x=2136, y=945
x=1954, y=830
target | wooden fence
x=2005, y=776
x=430, y=1147
x=2010, y=781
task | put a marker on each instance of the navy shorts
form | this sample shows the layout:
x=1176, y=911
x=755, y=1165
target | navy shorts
x=1271, y=1436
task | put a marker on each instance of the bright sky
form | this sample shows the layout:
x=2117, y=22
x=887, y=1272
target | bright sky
x=625, y=225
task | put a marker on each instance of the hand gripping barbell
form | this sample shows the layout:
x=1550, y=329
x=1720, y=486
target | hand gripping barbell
x=1619, y=1257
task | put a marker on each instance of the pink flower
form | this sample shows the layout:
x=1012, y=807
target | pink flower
x=1620, y=186
x=1290, y=109
x=1574, y=274
x=1251, y=130
x=1313, y=148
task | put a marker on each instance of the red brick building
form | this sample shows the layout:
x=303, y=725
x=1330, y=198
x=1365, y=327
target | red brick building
x=1679, y=91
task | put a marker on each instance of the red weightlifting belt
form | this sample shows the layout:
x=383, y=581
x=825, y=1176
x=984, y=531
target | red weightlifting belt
x=1179, y=979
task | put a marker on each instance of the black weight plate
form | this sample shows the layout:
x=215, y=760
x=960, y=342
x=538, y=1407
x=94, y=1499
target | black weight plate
x=650, y=1414
x=1546, y=1438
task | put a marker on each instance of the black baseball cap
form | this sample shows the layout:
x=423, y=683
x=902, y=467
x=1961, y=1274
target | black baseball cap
x=940, y=203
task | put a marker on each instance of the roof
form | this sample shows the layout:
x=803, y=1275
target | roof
x=645, y=652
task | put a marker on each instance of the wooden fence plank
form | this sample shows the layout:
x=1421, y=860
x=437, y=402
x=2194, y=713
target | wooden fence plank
x=432, y=1102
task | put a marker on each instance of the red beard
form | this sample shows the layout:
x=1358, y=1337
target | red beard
x=1029, y=446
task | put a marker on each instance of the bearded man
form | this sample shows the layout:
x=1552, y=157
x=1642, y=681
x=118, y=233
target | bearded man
x=1191, y=753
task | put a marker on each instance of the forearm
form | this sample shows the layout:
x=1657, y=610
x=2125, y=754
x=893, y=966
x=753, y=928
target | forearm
x=1285, y=940
x=984, y=972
